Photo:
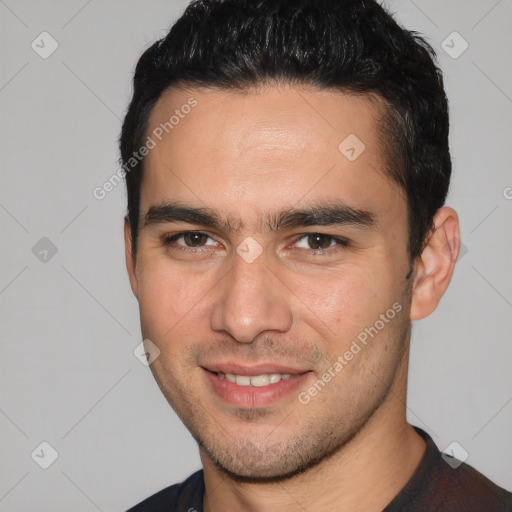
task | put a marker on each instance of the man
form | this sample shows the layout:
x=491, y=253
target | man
x=287, y=164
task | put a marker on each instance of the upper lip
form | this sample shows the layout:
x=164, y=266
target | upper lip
x=252, y=370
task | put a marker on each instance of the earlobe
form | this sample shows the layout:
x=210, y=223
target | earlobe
x=131, y=264
x=435, y=265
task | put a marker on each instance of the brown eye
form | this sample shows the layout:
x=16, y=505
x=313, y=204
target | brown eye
x=319, y=241
x=195, y=239
x=189, y=239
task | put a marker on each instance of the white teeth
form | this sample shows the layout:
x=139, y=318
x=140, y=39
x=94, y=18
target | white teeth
x=260, y=380
x=255, y=380
x=243, y=380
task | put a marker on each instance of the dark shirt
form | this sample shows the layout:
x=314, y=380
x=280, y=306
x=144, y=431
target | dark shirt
x=435, y=486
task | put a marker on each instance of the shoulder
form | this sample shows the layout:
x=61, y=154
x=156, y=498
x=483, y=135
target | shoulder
x=470, y=490
x=443, y=484
x=186, y=496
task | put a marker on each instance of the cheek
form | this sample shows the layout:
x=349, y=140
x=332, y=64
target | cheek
x=341, y=301
x=342, y=304
x=165, y=297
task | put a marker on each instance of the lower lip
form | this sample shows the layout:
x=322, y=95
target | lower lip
x=253, y=397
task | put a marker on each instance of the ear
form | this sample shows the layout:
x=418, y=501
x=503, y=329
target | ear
x=131, y=264
x=435, y=265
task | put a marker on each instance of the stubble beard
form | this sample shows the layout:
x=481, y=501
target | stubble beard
x=261, y=460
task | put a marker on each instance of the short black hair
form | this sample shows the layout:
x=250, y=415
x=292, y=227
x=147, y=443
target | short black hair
x=351, y=46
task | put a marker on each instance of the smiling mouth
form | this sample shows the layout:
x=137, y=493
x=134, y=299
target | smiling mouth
x=263, y=387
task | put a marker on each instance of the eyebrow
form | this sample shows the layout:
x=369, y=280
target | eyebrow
x=321, y=214
x=317, y=214
x=176, y=212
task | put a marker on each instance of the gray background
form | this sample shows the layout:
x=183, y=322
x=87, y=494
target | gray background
x=69, y=322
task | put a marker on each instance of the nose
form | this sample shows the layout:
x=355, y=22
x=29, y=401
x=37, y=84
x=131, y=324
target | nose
x=250, y=300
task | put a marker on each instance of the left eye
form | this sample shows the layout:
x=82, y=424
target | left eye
x=191, y=239
x=319, y=241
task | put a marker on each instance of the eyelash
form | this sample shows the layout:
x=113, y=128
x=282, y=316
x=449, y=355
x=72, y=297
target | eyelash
x=342, y=243
x=168, y=239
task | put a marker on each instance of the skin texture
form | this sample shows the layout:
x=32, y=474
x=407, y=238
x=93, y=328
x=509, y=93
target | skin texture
x=248, y=156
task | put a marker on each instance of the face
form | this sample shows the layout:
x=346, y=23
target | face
x=271, y=272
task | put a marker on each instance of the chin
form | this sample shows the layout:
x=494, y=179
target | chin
x=247, y=463
x=267, y=473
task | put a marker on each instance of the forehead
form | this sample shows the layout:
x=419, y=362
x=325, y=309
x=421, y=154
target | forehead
x=242, y=151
